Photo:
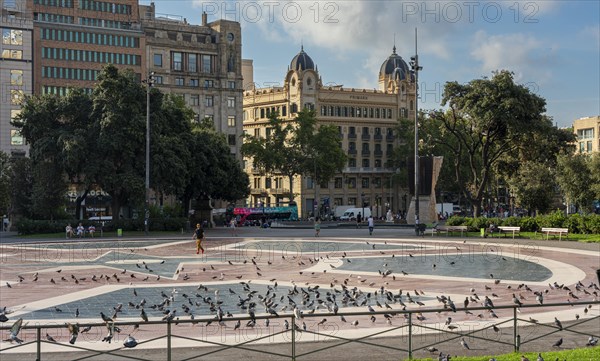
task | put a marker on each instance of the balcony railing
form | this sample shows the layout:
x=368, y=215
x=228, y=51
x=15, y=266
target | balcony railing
x=411, y=334
x=258, y=191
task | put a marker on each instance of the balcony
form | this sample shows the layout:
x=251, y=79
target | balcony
x=352, y=136
x=378, y=137
x=352, y=151
x=365, y=136
x=257, y=191
x=390, y=138
x=365, y=152
x=378, y=153
x=279, y=191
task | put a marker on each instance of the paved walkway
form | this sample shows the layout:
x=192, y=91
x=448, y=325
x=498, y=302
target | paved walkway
x=60, y=278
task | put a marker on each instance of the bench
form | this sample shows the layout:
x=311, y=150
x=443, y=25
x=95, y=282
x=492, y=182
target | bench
x=509, y=229
x=449, y=229
x=556, y=232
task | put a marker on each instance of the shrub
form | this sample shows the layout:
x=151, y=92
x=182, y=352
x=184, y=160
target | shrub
x=529, y=224
x=27, y=226
x=456, y=221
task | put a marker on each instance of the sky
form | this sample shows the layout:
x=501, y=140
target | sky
x=552, y=47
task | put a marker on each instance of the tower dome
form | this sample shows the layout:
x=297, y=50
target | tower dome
x=302, y=61
x=395, y=63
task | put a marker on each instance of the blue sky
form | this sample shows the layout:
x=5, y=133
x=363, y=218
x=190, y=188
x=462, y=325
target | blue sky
x=553, y=47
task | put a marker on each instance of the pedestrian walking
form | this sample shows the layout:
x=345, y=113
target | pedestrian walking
x=232, y=224
x=199, y=237
x=358, y=220
x=371, y=224
x=317, y=227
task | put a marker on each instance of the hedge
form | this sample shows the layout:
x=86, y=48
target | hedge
x=27, y=226
x=576, y=223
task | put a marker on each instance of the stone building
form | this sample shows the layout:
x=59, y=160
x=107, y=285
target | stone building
x=16, y=67
x=366, y=119
x=201, y=63
x=588, y=134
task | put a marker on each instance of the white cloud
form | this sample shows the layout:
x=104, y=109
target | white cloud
x=593, y=32
x=522, y=54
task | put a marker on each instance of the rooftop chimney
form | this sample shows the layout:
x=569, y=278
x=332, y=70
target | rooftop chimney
x=204, y=18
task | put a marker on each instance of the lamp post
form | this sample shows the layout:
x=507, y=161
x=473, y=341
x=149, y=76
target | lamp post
x=149, y=84
x=414, y=63
x=362, y=199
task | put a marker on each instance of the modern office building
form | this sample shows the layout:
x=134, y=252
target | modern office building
x=16, y=67
x=588, y=134
x=201, y=63
x=74, y=39
x=366, y=119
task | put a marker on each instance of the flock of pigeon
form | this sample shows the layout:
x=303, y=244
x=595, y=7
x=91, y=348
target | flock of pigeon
x=307, y=299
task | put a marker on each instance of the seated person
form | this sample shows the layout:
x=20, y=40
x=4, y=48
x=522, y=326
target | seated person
x=91, y=230
x=68, y=231
x=493, y=228
x=80, y=230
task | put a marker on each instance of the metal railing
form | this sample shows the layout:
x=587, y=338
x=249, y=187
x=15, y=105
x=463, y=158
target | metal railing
x=411, y=325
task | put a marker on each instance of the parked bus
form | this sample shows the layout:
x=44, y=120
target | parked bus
x=256, y=214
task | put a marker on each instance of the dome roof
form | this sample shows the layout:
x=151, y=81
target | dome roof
x=395, y=63
x=302, y=61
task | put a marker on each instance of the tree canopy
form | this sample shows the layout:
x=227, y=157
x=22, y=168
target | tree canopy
x=99, y=140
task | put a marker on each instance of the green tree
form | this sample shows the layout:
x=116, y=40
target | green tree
x=49, y=190
x=5, y=180
x=21, y=184
x=485, y=119
x=119, y=117
x=575, y=180
x=533, y=186
x=594, y=166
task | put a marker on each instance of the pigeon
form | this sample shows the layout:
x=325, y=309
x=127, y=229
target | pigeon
x=50, y=338
x=73, y=331
x=237, y=325
x=111, y=329
x=558, y=343
x=130, y=342
x=144, y=316
x=432, y=349
x=557, y=323
x=3, y=317
x=14, y=331
x=539, y=357
x=354, y=323
x=105, y=318
x=464, y=344
x=592, y=341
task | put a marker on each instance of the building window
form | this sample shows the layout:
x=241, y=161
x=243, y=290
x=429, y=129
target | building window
x=352, y=131
x=365, y=147
x=209, y=101
x=351, y=162
x=366, y=163
x=337, y=183
x=158, y=79
x=231, y=139
x=209, y=84
x=15, y=137
x=16, y=77
x=192, y=64
x=377, y=182
x=206, y=64
x=585, y=133
x=352, y=183
x=231, y=84
x=377, y=163
x=351, y=146
x=12, y=54
x=231, y=121
x=194, y=82
x=284, y=111
x=158, y=60
x=16, y=96
x=179, y=81
x=230, y=102
x=365, y=182
x=177, y=61
x=194, y=100
x=12, y=37
x=351, y=201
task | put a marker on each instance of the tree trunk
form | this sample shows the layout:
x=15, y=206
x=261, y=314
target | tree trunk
x=291, y=178
x=476, y=208
x=80, y=200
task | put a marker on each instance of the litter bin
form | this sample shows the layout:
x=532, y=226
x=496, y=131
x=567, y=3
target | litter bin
x=120, y=232
x=482, y=230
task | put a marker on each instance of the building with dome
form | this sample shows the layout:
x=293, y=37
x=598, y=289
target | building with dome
x=366, y=119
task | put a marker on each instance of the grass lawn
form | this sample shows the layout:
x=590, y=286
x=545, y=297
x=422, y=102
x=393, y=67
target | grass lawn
x=589, y=238
x=580, y=354
x=113, y=234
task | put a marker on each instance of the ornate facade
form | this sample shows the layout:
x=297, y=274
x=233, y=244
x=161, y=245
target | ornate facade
x=366, y=119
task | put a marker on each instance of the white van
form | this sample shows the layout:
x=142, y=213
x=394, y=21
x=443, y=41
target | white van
x=351, y=213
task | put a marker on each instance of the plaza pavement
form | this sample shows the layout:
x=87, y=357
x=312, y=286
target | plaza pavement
x=293, y=256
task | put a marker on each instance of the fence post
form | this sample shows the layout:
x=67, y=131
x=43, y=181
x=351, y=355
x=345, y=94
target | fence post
x=168, y=340
x=293, y=338
x=410, y=352
x=39, y=344
x=516, y=337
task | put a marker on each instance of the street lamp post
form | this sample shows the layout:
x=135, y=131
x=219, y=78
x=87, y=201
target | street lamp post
x=149, y=84
x=362, y=199
x=414, y=62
